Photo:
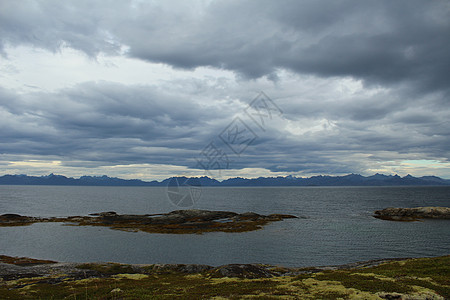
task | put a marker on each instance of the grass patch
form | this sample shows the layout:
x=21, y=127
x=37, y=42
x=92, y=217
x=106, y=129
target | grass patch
x=417, y=277
x=364, y=283
x=430, y=273
x=443, y=291
x=436, y=268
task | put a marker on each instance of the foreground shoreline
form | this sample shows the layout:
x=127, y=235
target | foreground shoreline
x=403, y=278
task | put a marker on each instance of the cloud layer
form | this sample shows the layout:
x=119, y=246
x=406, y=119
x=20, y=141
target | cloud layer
x=363, y=86
x=380, y=42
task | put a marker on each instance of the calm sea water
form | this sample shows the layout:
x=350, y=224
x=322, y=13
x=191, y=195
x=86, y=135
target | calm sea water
x=338, y=228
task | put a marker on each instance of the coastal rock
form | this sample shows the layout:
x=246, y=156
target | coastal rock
x=413, y=214
x=203, y=214
x=168, y=281
x=178, y=221
x=249, y=216
x=22, y=267
x=11, y=216
x=249, y=271
x=181, y=268
x=15, y=220
x=104, y=214
x=24, y=261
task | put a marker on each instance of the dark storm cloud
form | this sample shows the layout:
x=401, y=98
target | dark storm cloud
x=103, y=123
x=381, y=42
x=399, y=49
x=52, y=24
x=107, y=122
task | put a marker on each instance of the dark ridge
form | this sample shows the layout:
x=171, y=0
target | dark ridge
x=346, y=180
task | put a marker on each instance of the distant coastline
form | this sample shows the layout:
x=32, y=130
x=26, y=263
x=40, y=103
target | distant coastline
x=346, y=180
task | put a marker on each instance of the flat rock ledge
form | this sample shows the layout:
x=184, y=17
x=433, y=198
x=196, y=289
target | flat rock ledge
x=27, y=278
x=13, y=268
x=176, y=222
x=413, y=214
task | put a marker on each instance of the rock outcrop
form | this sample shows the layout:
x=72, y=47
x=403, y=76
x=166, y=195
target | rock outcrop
x=22, y=267
x=413, y=214
x=179, y=221
x=385, y=280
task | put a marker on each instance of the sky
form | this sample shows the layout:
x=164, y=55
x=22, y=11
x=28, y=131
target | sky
x=153, y=89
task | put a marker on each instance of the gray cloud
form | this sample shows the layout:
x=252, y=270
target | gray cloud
x=380, y=42
x=53, y=24
x=104, y=123
x=399, y=50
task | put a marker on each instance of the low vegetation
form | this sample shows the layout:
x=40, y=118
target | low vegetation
x=424, y=278
x=175, y=222
x=23, y=261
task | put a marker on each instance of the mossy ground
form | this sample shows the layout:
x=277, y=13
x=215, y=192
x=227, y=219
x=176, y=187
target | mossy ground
x=428, y=278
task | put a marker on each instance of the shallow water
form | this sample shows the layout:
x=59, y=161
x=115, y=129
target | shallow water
x=338, y=228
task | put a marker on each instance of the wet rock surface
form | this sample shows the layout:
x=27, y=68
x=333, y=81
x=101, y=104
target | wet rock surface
x=413, y=214
x=179, y=221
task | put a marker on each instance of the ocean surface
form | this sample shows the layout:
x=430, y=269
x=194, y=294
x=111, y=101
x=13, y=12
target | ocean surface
x=337, y=227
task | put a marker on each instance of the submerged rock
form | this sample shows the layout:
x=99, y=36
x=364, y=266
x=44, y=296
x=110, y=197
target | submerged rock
x=413, y=214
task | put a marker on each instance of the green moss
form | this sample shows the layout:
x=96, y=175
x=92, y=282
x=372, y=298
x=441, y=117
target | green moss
x=395, y=277
x=363, y=283
x=23, y=261
x=436, y=268
x=443, y=291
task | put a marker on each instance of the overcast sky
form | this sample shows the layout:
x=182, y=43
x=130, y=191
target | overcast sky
x=152, y=89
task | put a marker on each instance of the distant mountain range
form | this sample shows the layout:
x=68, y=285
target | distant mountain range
x=347, y=180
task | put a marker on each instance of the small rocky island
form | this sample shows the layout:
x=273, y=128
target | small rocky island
x=178, y=222
x=413, y=214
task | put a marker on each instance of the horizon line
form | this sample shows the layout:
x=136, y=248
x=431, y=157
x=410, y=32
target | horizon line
x=212, y=178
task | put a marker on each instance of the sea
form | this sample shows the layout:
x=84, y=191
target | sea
x=335, y=225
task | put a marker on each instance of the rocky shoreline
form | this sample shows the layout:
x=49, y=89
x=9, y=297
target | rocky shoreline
x=413, y=214
x=24, y=267
x=26, y=278
x=176, y=222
